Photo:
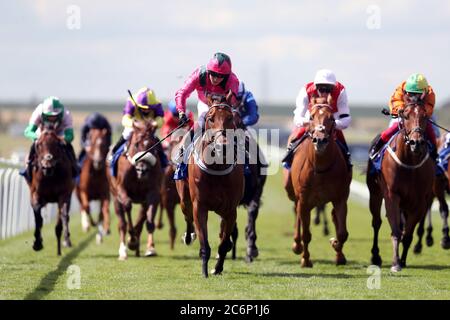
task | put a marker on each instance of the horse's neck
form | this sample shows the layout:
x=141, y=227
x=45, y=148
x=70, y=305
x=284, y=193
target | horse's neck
x=326, y=159
x=404, y=153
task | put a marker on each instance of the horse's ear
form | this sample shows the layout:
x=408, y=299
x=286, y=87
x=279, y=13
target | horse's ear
x=229, y=96
x=329, y=99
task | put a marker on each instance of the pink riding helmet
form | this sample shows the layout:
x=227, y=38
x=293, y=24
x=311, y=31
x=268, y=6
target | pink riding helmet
x=220, y=63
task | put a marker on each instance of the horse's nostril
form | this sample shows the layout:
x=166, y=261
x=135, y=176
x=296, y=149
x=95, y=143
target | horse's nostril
x=314, y=140
x=324, y=140
x=412, y=142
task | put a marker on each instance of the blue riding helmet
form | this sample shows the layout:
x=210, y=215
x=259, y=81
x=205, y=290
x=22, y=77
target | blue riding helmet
x=173, y=108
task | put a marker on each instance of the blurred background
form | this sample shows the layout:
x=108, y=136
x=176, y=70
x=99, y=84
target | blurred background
x=89, y=53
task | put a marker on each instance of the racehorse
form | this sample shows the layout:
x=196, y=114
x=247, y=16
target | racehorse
x=320, y=210
x=405, y=183
x=212, y=184
x=93, y=184
x=52, y=181
x=251, y=200
x=137, y=182
x=169, y=194
x=319, y=175
x=440, y=188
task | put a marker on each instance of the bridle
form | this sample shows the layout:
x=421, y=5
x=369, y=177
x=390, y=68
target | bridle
x=321, y=127
x=402, y=128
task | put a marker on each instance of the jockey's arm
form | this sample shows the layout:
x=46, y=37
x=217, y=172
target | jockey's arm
x=251, y=116
x=67, y=125
x=342, y=116
x=33, y=124
x=301, y=114
x=127, y=121
x=396, y=102
x=184, y=92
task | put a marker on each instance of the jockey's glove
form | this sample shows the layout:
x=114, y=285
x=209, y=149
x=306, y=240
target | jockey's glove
x=183, y=118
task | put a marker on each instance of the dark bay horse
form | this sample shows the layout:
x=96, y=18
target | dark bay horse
x=405, y=183
x=319, y=175
x=93, y=184
x=137, y=182
x=169, y=194
x=213, y=184
x=52, y=181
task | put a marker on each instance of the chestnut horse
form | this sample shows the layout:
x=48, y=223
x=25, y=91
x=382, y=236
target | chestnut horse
x=93, y=184
x=405, y=183
x=137, y=182
x=52, y=181
x=212, y=185
x=319, y=175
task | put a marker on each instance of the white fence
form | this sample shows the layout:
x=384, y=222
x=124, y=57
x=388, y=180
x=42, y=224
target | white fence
x=16, y=214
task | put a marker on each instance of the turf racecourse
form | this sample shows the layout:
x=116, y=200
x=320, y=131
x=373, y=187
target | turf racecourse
x=276, y=273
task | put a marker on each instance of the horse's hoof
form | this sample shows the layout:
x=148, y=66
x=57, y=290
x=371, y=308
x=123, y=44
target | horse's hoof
x=326, y=232
x=396, y=268
x=133, y=244
x=159, y=225
x=38, y=246
x=67, y=244
x=188, y=240
x=216, y=272
x=402, y=264
x=297, y=248
x=429, y=241
x=249, y=259
x=123, y=258
x=417, y=249
x=316, y=221
x=341, y=260
x=306, y=263
x=151, y=252
x=123, y=252
x=253, y=252
x=376, y=260
x=99, y=238
x=445, y=243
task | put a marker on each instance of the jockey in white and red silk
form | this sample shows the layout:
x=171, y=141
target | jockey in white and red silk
x=324, y=83
x=215, y=78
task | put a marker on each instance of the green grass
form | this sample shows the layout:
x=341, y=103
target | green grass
x=276, y=274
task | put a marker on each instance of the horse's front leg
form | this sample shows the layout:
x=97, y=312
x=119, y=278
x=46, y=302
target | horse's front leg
x=187, y=209
x=150, y=224
x=297, y=246
x=122, y=226
x=375, y=202
x=305, y=213
x=250, y=230
x=392, y=205
x=201, y=225
x=420, y=232
x=64, y=208
x=443, y=209
x=38, y=221
x=339, y=214
x=411, y=220
x=86, y=219
x=227, y=225
x=139, y=226
x=104, y=219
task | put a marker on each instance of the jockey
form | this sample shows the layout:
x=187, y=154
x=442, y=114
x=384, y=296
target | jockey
x=93, y=121
x=51, y=110
x=414, y=89
x=247, y=106
x=324, y=83
x=215, y=78
x=172, y=120
x=148, y=107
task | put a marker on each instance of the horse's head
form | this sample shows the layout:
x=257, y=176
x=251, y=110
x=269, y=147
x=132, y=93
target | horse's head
x=219, y=118
x=49, y=150
x=97, y=147
x=322, y=123
x=143, y=137
x=414, y=121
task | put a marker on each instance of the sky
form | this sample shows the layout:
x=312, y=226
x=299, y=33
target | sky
x=96, y=50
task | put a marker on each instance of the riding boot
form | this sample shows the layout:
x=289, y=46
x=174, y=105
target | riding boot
x=27, y=172
x=71, y=153
x=162, y=155
x=81, y=155
x=289, y=156
x=347, y=154
x=376, y=146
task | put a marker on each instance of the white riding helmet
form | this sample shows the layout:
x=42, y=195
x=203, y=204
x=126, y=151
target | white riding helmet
x=325, y=76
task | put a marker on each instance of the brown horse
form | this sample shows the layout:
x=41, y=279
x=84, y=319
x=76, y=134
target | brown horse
x=93, y=184
x=213, y=184
x=319, y=175
x=440, y=188
x=137, y=182
x=405, y=183
x=52, y=181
